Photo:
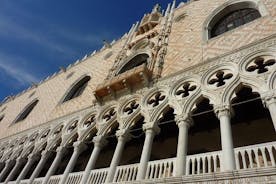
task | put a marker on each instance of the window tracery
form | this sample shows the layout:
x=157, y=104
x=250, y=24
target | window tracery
x=233, y=20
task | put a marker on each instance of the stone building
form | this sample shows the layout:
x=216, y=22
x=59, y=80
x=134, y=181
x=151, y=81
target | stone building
x=186, y=96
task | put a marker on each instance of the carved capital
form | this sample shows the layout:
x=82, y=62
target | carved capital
x=268, y=100
x=183, y=119
x=99, y=141
x=61, y=150
x=223, y=110
x=20, y=160
x=79, y=146
x=123, y=135
x=34, y=157
x=151, y=128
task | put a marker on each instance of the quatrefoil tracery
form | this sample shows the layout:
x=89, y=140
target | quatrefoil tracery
x=220, y=78
x=58, y=130
x=260, y=65
x=156, y=99
x=33, y=137
x=185, y=89
x=131, y=107
x=73, y=126
x=91, y=119
x=110, y=114
x=45, y=134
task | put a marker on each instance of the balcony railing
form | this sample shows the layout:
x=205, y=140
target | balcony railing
x=248, y=157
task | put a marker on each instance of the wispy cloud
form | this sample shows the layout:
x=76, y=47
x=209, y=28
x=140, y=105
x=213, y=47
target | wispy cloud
x=10, y=28
x=11, y=66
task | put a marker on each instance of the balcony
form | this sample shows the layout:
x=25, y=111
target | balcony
x=255, y=161
x=149, y=22
x=130, y=79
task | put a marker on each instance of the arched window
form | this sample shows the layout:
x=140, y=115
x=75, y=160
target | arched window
x=26, y=111
x=1, y=118
x=77, y=89
x=134, y=62
x=234, y=19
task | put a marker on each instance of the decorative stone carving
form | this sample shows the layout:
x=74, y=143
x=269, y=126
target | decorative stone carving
x=260, y=65
x=156, y=99
x=220, y=78
x=131, y=107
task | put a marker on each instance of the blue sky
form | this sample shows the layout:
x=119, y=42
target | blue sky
x=39, y=36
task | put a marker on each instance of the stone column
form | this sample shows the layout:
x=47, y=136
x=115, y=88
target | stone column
x=31, y=159
x=60, y=153
x=79, y=147
x=122, y=137
x=44, y=157
x=270, y=103
x=228, y=155
x=99, y=143
x=184, y=122
x=18, y=164
x=150, y=132
x=6, y=169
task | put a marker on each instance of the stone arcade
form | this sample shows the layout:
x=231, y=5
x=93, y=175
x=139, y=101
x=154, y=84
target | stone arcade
x=186, y=96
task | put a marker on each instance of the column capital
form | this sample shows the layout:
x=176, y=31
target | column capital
x=151, y=128
x=61, y=150
x=33, y=156
x=20, y=159
x=99, y=141
x=46, y=153
x=268, y=100
x=183, y=119
x=123, y=135
x=79, y=146
x=223, y=110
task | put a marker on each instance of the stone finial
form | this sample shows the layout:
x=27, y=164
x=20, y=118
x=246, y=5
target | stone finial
x=106, y=44
x=156, y=9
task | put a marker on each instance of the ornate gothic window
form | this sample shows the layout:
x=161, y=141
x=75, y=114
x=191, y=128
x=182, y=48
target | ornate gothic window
x=25, y=113
x=134, y=62
x=233, y=20
x=77, y=89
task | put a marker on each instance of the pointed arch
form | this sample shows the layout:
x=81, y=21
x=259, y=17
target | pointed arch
x=223, y=11
x=26, y=111
x=76, y=89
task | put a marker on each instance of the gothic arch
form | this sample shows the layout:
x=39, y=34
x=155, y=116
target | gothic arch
x=271, y=82
x=227, y=7
x=91, y=130
x=152, y=114
x=129, y=64
x=70, y=139
x=129, y=112
x=26, y=111
x=229, y=93
x=72, y=91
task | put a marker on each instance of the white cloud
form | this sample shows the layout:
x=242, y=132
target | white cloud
x=11, y=66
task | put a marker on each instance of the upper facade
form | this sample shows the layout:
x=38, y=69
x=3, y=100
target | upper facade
x=161, y=45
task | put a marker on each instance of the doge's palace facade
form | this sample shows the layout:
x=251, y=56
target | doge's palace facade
x=186, y=96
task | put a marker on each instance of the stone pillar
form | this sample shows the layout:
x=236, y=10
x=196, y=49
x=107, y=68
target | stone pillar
x=270, y=103
x=228, y=155
x=183, y=122
x=150, y=132
x=122, y=137
x=99, y=143
x=19, y=162
x=31, y=159
x=6, y=169
x=44, y=157
x=79, y=147
x=55, y=164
